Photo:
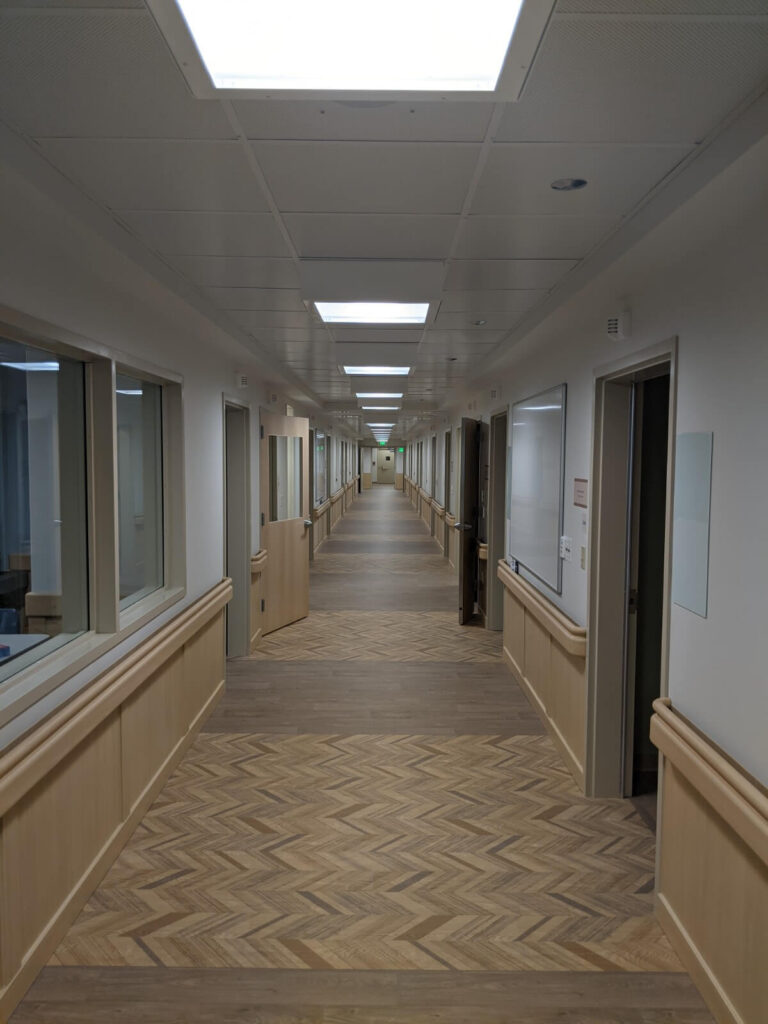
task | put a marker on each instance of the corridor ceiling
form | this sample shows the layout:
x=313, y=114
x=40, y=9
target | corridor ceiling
x=446, y=201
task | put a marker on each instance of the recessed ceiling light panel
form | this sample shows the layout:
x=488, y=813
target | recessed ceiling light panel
x=372, y=312
x=377, y=371
x=417, y=46
x=378, y=394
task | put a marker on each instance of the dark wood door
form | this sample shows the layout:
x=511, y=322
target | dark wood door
x=467, y=519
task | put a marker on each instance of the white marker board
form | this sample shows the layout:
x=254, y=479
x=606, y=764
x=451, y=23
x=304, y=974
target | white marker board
x=537, y=461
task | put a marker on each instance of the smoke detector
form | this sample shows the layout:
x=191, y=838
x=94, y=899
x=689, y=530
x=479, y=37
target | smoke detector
x=619, y=327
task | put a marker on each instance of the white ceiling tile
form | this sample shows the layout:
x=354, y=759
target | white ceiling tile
x=155, y=175
x=481, y=275
x=395, y=280
x=255, y=319
x=663, y=7
x=377, y=335
x=517, y=178
x=469, y=336
x=237, y=271
x=79, y=73
x=618, y=80
x=372, y=236
x=41, y=5
x=499, y=300
x=208, y=234
x=364, y=121
x=494, y=321
x=279, y=335
x=367, y=177
x=257, y=298
x=533, y=238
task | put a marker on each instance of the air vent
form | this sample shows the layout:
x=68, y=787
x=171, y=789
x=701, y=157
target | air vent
x=618, y=327
x=241, y=379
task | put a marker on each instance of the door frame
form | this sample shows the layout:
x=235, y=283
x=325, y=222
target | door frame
x=239, y=644
x=608, y=537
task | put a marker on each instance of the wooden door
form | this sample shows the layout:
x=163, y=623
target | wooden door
x=467, y=520
x=285, y=520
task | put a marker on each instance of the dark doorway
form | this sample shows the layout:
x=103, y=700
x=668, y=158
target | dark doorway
x=645, y=569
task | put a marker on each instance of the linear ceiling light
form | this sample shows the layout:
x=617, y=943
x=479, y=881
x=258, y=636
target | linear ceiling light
x=373, y=312
x=378, y=394
x=33, y=367
x=419, y=45
x=377, y=371
x=390, y=425
x=379, y=408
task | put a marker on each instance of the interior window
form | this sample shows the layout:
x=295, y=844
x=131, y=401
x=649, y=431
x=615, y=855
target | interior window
x=43, y=517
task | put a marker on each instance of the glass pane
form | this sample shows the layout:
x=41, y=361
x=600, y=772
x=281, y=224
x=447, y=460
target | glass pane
x=43, y=534
x=139, y=487
x=284, y=478
x=321, y=492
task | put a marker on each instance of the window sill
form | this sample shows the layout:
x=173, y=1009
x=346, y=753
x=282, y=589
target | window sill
x=30, y=685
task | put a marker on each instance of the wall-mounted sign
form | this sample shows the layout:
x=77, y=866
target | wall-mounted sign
x=401, y=449
x=580, y=492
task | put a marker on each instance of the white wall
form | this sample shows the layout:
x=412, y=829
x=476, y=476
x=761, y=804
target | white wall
x=700, y=275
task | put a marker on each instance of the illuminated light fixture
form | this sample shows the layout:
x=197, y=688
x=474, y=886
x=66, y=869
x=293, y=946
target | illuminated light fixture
x=421, y=45
x=539, y=408
x=373, y=312
x=379, y=408
x=378, y=394
x=33, y=367
x=377, y=371
x=125, y=391
x=380, y=425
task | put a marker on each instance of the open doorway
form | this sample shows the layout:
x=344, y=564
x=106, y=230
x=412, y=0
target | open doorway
x=237, y=554
x=630, y=573
x=494, y=618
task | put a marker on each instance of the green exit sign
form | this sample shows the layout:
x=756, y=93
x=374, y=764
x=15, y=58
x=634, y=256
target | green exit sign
x=382, y=442
x=401, y=449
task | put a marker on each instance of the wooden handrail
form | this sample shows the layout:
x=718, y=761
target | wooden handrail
x=320, y=510
x=737, y=798
x=336, y=496
x=258, y=561
x=572, y=638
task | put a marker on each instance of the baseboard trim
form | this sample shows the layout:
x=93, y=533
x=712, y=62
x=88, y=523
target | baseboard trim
x=696, y=964
x=39, y=954
x=535, y=701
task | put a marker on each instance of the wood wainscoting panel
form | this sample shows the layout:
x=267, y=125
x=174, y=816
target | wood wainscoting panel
x=514, y=633
x=50, y=838
x=151, y=720
x=398, y=481
x=337, y=507
x=367, y=483
x=546, y=652
x=74, y=789
x=712, y=892
x=204, y=665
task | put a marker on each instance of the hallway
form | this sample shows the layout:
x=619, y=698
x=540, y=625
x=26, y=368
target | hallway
x=374, y=796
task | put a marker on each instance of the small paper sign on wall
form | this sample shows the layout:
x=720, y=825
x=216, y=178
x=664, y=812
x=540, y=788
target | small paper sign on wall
x=580, y=490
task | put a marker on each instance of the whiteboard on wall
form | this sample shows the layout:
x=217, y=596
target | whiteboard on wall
x=536, y=470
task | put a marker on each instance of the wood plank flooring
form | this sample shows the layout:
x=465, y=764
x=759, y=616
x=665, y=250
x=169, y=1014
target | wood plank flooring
x=374, y=826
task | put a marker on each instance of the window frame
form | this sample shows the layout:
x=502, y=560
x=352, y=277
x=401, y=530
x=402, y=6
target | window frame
x=108, y=625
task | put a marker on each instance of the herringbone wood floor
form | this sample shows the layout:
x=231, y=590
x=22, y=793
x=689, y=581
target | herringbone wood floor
x=405, y=819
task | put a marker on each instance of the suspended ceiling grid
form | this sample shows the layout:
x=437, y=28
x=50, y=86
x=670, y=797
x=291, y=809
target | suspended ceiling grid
x=240, y=197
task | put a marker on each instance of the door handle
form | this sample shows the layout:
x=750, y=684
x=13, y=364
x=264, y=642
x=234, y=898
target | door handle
x=307, y=523
x=465, y=527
